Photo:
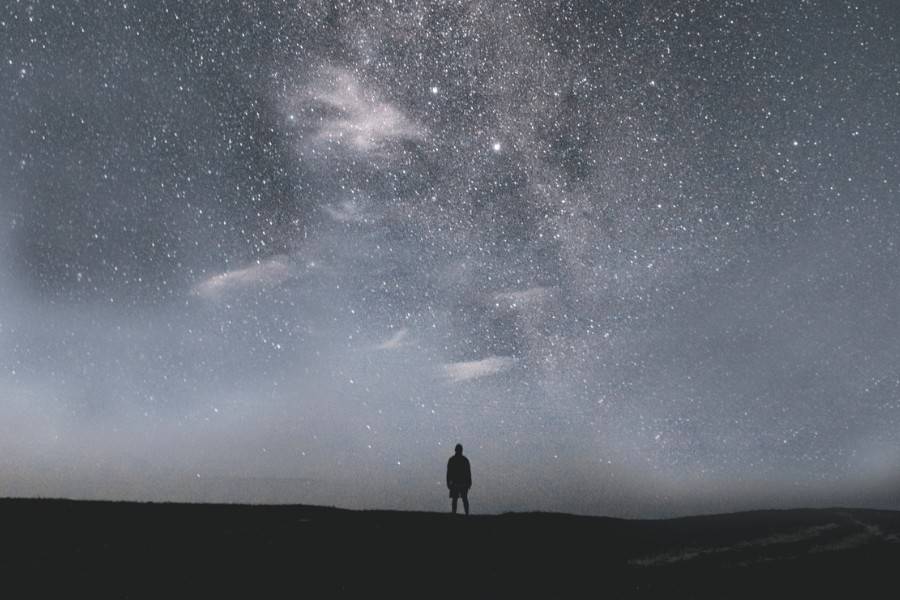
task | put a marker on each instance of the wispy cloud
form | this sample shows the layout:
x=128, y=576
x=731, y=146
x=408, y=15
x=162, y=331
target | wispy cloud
x=398, y=340
x=263, y=273
x=521, y=298
x=362, y=121
x=348, y=211
x=458, y=372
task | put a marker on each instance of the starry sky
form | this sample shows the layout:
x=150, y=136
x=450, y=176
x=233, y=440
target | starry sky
x=639, y=258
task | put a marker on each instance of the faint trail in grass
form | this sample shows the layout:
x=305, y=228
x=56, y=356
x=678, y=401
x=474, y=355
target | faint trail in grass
x=692, y=553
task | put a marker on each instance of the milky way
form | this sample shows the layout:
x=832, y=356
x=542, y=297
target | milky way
x=640, y=258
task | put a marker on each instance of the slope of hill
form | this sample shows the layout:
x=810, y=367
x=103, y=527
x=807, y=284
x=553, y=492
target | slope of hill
x=176, y=550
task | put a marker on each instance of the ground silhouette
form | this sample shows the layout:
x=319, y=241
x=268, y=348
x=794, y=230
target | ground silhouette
x=120, y=549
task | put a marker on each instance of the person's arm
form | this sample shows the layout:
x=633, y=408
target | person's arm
x=449, y=481
x=468, y=474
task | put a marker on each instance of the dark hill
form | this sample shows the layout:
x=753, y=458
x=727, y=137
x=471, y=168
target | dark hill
x=122, y=549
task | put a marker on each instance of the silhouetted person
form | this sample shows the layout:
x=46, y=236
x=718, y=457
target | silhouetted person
x=459, y=478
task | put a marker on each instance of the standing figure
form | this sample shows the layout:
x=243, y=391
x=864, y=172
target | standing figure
x=459, y=478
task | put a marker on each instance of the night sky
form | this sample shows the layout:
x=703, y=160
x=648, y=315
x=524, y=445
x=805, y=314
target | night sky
x=639, y=258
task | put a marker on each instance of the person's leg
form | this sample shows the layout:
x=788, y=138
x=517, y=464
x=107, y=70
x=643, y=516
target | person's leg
x=465, y=497
x=453, y=505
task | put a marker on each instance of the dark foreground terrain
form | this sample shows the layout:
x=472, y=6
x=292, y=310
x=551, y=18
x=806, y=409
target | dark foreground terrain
x=92, y=549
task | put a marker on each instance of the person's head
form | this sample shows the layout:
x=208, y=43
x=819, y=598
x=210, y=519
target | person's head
x=458, y=448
